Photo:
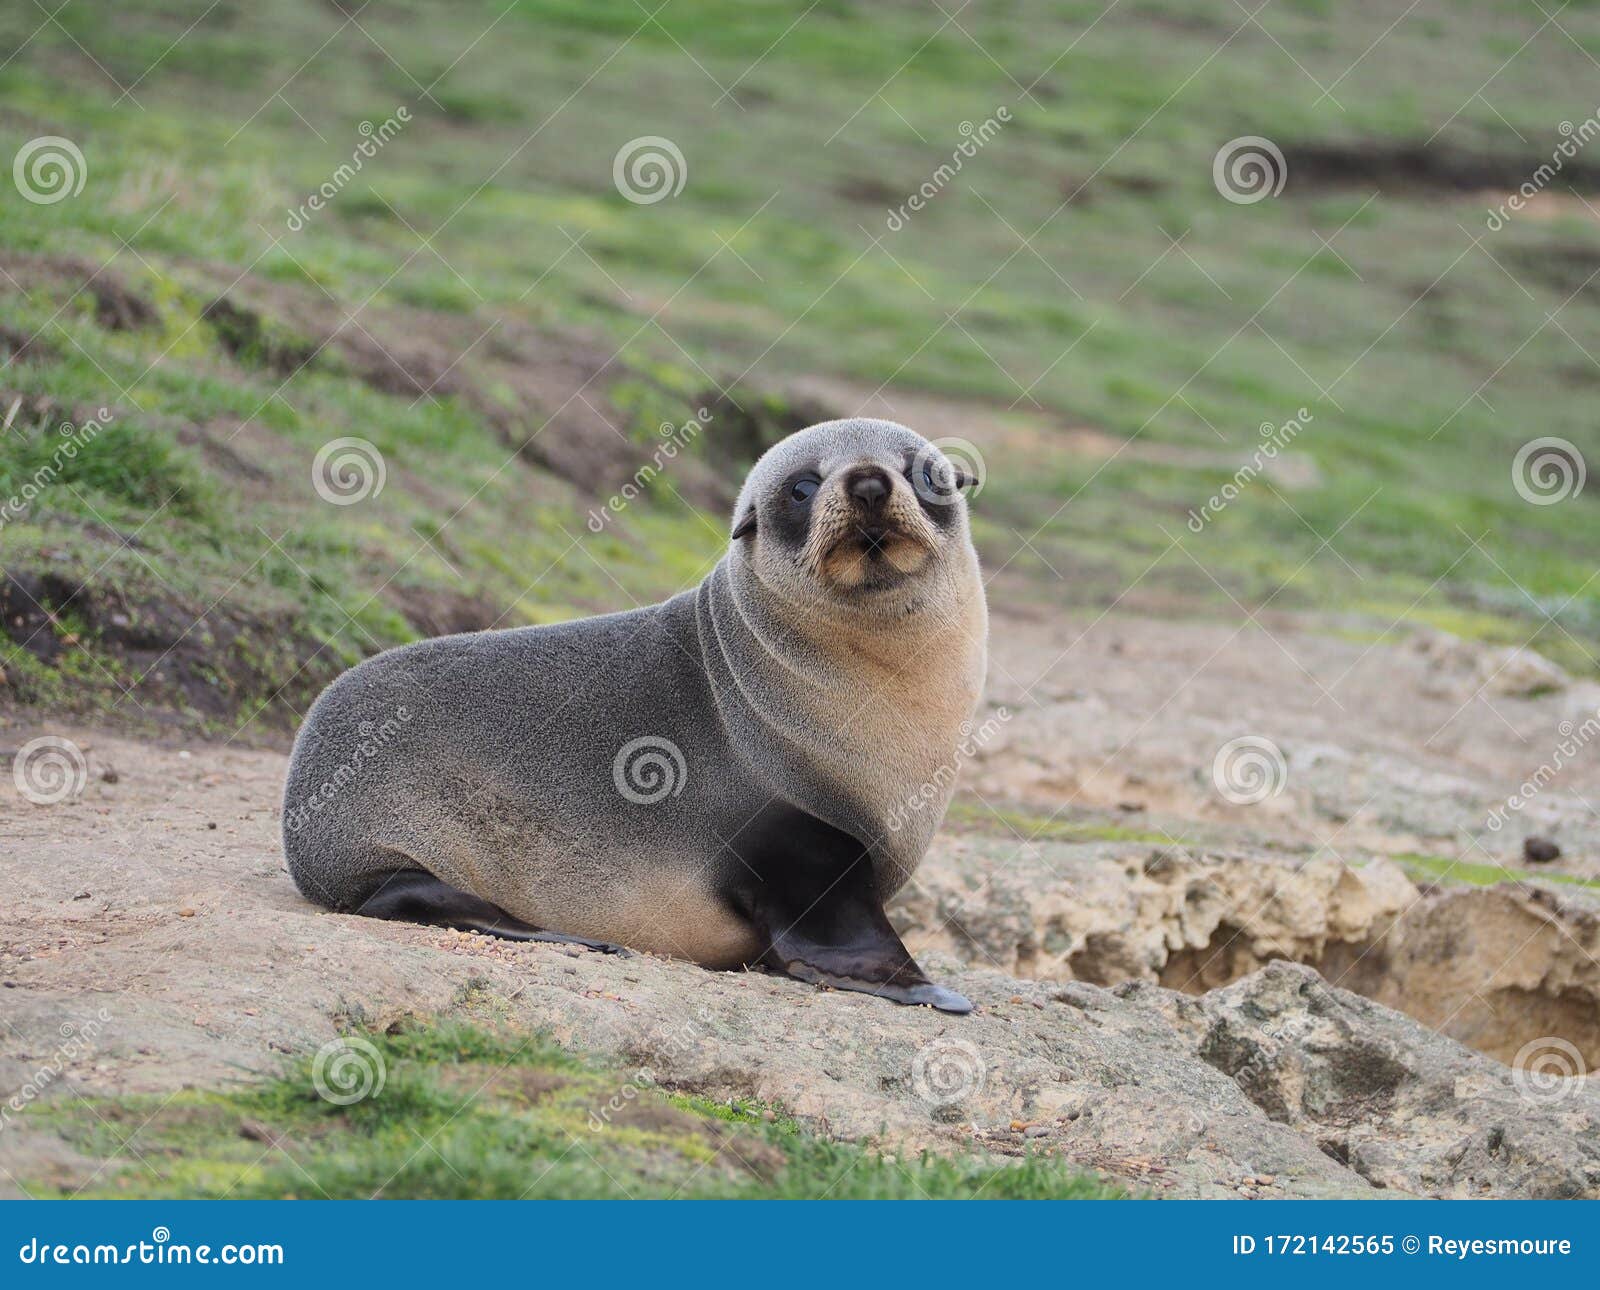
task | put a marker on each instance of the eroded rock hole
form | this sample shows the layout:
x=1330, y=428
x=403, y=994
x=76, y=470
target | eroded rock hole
x=1499, y=970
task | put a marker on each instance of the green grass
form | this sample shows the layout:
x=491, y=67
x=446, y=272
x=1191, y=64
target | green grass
x=1426, y=359
x=468, y=1112
x=1427, y=868
x=970, y=817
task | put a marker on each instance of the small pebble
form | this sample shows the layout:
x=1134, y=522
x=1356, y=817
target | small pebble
x=1540, y=850
x=186, y=912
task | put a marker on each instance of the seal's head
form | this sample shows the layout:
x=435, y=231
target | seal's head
x=863, y=515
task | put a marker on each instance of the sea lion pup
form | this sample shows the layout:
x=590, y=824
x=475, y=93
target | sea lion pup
x=741, y=775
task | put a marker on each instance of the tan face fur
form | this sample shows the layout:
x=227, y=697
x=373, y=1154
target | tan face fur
x=904, y=555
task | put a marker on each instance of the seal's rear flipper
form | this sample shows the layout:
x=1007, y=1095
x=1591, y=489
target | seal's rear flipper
x=842, y=938
x=416, y=896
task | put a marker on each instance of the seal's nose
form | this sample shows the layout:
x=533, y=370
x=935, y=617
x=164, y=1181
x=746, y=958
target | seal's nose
x=869, y=487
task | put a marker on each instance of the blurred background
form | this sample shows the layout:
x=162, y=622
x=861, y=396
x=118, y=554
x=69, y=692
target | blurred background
x=504, y=244
x=1269, y=327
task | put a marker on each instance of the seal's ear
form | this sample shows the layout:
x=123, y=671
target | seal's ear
x=746, y=526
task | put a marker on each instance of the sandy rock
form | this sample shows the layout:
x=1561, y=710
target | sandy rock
x=1406, y=1108
x=1107, y=913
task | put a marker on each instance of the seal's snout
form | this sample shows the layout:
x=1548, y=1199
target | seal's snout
x=868, y=487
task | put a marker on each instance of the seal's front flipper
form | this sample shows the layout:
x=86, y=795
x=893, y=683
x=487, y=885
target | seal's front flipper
x=840, y=936
x=416, y=896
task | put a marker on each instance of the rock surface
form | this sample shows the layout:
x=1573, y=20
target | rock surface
x=1131, y=1017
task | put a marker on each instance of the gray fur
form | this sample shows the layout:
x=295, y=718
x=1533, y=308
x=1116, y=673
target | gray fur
x=490, y=759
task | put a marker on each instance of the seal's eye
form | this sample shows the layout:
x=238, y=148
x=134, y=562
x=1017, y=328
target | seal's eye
x=928, y=480
x=802, y=489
